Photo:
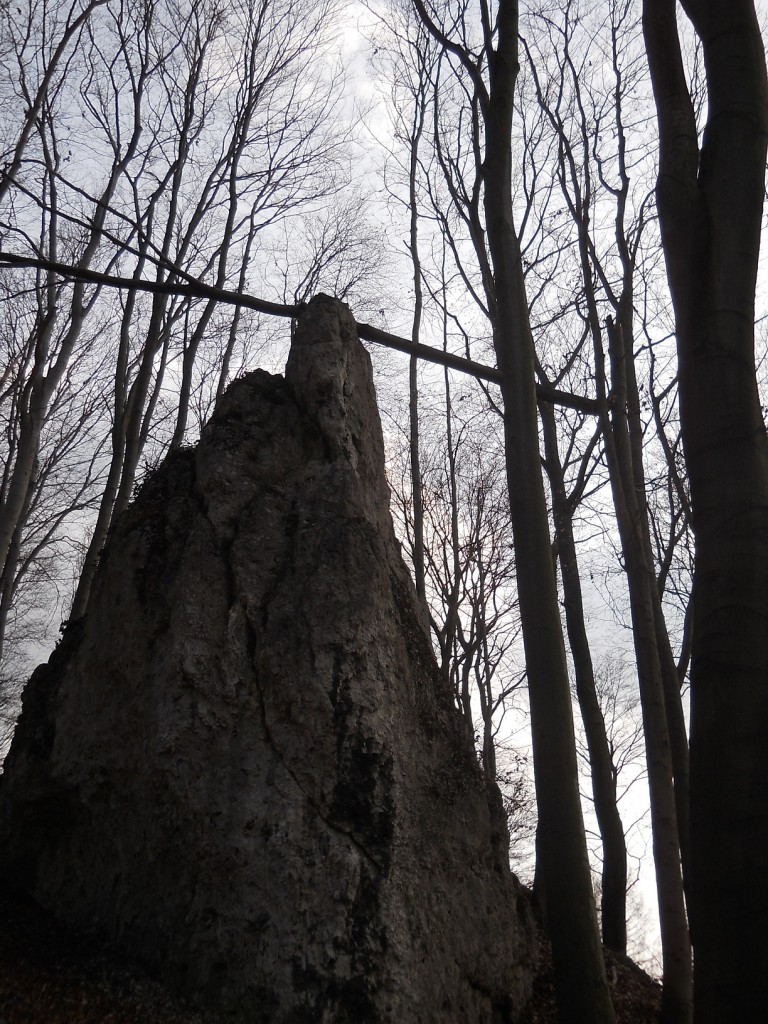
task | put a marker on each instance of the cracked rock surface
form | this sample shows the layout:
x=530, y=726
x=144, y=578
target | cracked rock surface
x=243, y=766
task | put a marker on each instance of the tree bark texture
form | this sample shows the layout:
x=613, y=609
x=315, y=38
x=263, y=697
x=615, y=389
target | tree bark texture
x=710, y=208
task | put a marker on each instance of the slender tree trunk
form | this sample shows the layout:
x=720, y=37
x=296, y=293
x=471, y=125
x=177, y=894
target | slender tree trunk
x=484, y=677
x=614, y=876
x=562, y=862
x=103, y=522
x=454, y=591
x=12, y=510
x=226, y=358
x=413, y=379
x=8, y=579
x=641, y=583
x=678, y=735
x=187, y=371
x=582, y=989
x=418, y=505
x=623, y=434
x=710, y=209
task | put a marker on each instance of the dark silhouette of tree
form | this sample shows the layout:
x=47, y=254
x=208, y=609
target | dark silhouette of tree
x=491, y=68
x=710, y=197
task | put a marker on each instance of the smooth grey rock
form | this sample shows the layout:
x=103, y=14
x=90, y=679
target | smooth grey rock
x=243, y=765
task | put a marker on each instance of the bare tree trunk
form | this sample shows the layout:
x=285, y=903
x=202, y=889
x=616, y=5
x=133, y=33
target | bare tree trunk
x=614, y=876
x=670, y=682
x=581, y=985
x=641, y=582
x=710, y=209
x=8, y=579
x=413, y=379
x=453, y=595
x=582, y=990
x=415, y=132
x=622, y=429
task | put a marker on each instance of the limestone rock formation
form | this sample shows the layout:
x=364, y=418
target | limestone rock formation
x=243, y=766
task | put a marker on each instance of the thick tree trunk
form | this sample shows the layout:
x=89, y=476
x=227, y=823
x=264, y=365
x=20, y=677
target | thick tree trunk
x=710, y=209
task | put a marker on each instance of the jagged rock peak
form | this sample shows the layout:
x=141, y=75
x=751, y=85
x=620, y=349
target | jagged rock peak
x=243, y=765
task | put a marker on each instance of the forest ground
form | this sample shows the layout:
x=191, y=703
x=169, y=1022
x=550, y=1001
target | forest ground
x=48, y=976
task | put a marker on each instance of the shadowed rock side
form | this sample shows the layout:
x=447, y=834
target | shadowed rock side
x=243, y=766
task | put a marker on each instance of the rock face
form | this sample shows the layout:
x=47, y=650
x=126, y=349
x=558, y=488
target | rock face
x=243, y=766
